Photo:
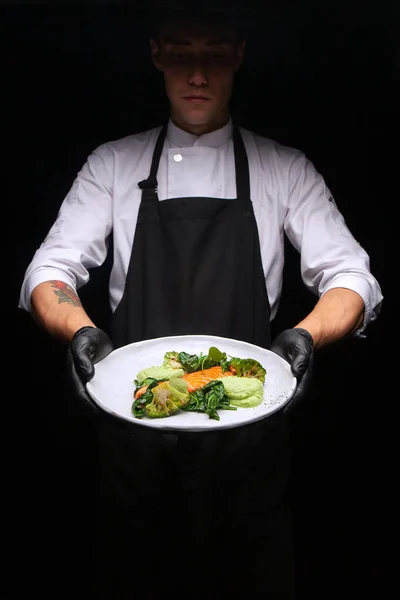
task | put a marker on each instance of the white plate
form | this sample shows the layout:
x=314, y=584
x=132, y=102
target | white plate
x=113, y=385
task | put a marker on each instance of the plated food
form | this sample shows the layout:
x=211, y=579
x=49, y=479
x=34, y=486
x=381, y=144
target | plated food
x=204, y=383
x=115, y=383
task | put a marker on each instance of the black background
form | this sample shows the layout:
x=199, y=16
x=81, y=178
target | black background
x=319, y=76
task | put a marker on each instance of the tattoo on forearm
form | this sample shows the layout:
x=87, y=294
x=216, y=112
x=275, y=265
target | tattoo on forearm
x=65, y=293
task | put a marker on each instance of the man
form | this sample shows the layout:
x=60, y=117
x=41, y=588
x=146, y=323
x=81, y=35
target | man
x=197, y=209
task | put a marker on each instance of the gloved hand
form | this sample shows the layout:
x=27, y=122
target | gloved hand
x=88, y=346
x=296, y=347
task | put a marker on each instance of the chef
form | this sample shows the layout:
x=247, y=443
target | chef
x=197, y=211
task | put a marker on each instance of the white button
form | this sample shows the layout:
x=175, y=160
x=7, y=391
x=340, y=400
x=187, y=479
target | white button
x=177, y=157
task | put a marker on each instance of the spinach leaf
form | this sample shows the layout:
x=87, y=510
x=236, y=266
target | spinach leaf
x=199, y=362
x=209, y=399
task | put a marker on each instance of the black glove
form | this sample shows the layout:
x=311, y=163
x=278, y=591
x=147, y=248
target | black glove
x=296, y=347
x=88, y=346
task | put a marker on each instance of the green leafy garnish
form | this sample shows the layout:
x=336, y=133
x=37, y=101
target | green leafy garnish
x=199, y=362
x=209, y=399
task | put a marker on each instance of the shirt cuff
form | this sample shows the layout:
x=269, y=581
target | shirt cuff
x=362, y=288
x=40, y=277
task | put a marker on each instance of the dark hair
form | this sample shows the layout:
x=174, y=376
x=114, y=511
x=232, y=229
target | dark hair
x=217, y=16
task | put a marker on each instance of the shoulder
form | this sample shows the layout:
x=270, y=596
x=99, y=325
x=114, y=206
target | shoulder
x=269, y=154
x=269, y=150
x=128, y=146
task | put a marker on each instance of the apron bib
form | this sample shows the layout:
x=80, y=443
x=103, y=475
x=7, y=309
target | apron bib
x=197, y=515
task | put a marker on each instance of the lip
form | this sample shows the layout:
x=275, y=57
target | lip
x=196, y=98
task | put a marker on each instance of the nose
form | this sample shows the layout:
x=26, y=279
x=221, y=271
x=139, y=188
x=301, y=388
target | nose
x=197, y=74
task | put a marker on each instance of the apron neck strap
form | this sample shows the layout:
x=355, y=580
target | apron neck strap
x=149, y=185
x=241, y=166
x=151, y=182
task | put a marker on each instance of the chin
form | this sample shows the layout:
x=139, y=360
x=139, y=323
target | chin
x=197, y=117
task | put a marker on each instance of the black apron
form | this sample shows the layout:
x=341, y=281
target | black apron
x=194, y=515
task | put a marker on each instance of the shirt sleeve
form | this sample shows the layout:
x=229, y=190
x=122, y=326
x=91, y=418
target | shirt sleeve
x=330, y=255
x=78, y=239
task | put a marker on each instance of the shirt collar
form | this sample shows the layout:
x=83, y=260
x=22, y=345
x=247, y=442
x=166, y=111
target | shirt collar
x=183, y=139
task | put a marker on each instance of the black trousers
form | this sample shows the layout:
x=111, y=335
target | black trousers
x=195, y=515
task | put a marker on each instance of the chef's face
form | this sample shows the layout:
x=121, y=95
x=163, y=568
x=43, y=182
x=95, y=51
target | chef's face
x=199, y=61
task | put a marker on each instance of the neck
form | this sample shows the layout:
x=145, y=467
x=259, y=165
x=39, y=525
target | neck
x=200, y=129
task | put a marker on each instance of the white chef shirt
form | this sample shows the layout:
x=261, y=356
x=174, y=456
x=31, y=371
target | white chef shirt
x=288, y=195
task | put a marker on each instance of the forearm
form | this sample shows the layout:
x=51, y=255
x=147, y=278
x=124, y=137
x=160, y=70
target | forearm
x=58, y=309
x=337, y=314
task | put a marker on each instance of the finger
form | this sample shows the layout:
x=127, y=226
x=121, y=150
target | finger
x=303, y=384
x=84, y=366
x=300, y=363
x=302, y=388
x=102, y=352
x=79, y=388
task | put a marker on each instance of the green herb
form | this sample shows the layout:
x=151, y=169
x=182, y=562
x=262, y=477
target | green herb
x=199, y=362
x=209, y=399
